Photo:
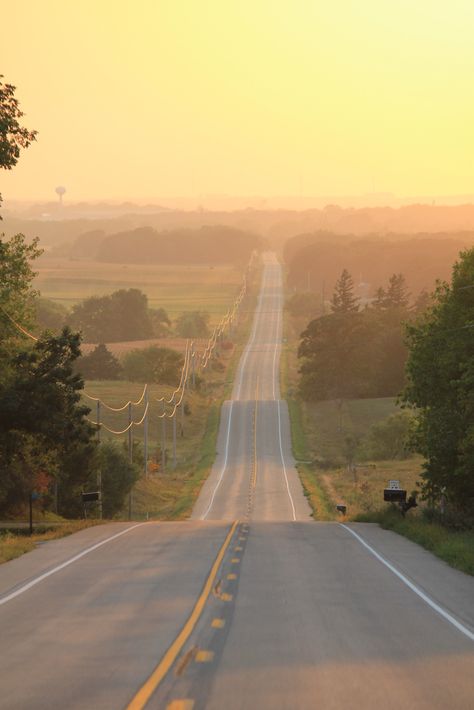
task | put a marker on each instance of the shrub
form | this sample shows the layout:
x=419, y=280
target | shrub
x=153, y=364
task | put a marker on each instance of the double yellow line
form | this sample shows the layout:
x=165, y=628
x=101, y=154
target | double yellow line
x=149, y=687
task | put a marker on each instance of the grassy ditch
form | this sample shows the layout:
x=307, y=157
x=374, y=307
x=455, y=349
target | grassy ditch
x=14, y=543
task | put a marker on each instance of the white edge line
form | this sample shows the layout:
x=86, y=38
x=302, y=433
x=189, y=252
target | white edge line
x=283, y=463
x=224, y=466
x=50, y=572
x=460, y=627
x=277, y=347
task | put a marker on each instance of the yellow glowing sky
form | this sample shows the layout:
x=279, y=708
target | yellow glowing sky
x=148, y=98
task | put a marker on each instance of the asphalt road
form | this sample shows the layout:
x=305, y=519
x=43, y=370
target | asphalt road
x=277, y=611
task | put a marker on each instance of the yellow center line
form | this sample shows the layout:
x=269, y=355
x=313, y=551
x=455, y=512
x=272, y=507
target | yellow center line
x=186, y=704
x=150, y=685
x=254, y=480
x=218, y=623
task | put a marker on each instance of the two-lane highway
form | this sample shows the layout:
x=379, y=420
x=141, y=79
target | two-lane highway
x=254, y=476
x=249, y=605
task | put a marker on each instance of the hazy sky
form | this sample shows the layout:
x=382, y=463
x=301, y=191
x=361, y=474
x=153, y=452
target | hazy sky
x=158, y=98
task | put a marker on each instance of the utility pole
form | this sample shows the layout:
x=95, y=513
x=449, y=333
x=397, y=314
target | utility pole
x=145, y=435
x=174, y=438
x=99, y=472
x=130, y=456
x=163, y=438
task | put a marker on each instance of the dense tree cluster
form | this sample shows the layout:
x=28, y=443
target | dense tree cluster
x=44, y=435
x=193, y=324
x=356, y=352
x=441, y=388
x=121, y=316
x=100, y=364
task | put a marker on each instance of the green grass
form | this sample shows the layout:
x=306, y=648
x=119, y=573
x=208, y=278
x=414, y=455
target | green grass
x=454, y=547
x=315, y=492
x=329, y=423
x=174, y=288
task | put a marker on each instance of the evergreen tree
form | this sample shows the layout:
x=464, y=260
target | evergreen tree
x=100, y=364
x=396, y=295
x=343, y=300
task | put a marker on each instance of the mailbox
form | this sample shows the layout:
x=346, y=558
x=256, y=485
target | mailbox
x=394, y=495
x=90, y=497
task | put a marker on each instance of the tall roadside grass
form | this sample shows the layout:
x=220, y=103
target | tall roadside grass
x=453, y=546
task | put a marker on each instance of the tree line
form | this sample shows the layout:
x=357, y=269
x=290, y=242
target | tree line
x=210, y=244
x=423, y=353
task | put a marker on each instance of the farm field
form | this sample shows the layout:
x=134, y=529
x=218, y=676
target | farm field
x=174, y=288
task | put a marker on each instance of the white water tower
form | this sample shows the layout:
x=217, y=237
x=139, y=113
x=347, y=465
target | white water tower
x=60, y=191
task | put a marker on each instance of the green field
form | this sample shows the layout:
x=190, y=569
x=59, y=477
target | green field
x=174, y=288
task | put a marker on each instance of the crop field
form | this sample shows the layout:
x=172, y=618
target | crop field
x=174, y=288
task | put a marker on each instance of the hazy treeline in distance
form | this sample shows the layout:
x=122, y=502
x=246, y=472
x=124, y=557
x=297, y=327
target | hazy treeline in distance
x=62, y=225
x=315, y=261
x=145, y=245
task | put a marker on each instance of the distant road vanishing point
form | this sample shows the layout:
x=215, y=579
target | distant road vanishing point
x=249, y=605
